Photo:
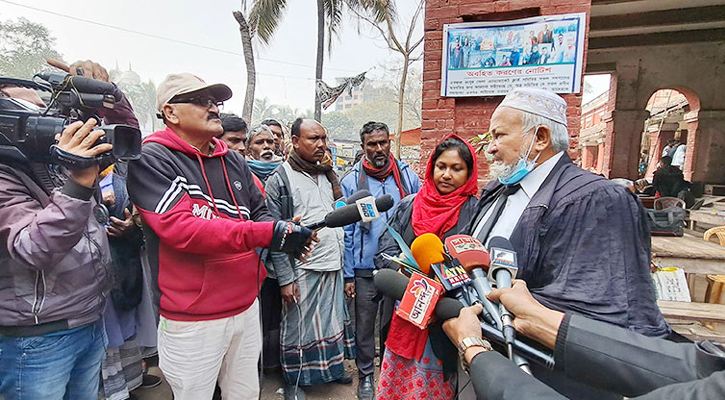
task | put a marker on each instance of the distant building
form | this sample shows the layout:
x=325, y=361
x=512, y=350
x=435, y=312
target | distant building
x=348, y=100
x=593, y=132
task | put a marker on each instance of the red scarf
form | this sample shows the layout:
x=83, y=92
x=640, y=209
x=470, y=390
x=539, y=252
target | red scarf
x=381, y=174
x=437, y=213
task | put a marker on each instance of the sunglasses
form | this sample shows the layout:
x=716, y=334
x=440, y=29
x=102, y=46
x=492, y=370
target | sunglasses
x=206, y=102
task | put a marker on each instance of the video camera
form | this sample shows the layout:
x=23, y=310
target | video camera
x=27, y=133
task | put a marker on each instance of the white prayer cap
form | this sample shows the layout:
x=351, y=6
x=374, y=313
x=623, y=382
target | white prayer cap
x=541, y=102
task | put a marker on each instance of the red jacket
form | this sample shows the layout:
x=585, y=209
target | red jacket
x=206, y=217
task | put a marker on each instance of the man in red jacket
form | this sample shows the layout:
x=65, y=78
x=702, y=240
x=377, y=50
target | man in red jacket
x=204, y=218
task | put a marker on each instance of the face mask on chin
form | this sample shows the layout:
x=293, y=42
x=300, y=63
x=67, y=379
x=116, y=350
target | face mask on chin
x=512, y=175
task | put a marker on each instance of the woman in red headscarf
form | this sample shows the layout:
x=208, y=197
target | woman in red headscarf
x=422, y=363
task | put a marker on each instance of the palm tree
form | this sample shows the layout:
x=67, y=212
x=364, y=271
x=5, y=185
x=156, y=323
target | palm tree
x=265, y=15
x=261, y=21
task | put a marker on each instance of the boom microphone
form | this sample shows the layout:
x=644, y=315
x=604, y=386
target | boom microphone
x=350, y=214
x=393, y=284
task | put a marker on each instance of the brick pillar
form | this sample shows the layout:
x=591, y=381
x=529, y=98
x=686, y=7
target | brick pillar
x=625, y=123
x=658, y=141
x=705, y=146
x=470, y=116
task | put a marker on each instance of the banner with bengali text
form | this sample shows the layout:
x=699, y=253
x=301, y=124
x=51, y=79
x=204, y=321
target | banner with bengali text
x=491, y=58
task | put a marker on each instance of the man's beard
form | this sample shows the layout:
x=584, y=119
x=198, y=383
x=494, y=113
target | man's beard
x=500, y=169
x=378, y=163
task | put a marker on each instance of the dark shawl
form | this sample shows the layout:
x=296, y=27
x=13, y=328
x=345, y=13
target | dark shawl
x=583, y=246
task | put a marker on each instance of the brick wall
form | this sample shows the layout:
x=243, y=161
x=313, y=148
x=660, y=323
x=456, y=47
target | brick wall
x=470, y=116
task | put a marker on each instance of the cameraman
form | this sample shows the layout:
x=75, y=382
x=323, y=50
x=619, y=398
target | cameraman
x=54, y=262
x=600, y=354
x=53, y=272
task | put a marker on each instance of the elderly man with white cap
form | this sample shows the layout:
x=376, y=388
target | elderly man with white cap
x=583, y=242
x=203, y=219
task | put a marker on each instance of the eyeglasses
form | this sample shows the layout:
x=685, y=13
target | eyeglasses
x=206, y=102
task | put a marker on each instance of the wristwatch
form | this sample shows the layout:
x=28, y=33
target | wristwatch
x=471, y=341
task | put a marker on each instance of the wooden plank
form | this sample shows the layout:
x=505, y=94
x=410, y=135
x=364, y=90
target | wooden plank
x=693, y=266
x=692, y=311
x=695, y=331
x=687, y=246
x=712, y=199
x=707, y=217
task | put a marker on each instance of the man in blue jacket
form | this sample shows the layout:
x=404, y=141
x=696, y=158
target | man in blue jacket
x=380, y=173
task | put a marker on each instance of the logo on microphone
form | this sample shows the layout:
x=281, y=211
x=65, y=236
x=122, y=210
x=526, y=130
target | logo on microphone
x=503, y=257
x=368, y=210
x=423, y=293
x=419, y=300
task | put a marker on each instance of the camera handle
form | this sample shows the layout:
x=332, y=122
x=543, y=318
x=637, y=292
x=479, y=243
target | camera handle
x=71, y=161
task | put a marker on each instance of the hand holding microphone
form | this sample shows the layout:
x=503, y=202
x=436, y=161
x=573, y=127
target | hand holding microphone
x=393, y=284
x=532, y=318
x=364, y=209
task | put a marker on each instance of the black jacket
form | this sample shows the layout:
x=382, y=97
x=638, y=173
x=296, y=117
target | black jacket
x=614, y=359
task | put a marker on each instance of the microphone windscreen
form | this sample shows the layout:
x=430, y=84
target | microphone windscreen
x=427, y=249
x=393, y=284
x=343, y=216
x=501, y=243
x=468, y=251
x=360, y=194
x=448, y=308
x=390, y=283
x=384, y=203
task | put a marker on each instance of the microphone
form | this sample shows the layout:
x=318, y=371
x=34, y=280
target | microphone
x=475, y=260
x=427, y=249
x=352, y=213
x=80, y=83
x=342, y=202
x=502, y=270
x=393, y=284
x=360, y=194
x=430, y=255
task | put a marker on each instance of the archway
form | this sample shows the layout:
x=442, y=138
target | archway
x=672, y=121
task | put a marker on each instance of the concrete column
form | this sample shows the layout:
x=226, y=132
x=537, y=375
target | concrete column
x=704, y=160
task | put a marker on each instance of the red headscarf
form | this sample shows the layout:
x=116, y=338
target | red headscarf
x=437, y=213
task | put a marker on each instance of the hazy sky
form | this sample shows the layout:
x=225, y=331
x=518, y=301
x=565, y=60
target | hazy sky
x=213, y=47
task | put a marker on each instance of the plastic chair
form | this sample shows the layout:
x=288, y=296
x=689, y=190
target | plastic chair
x=667, y=202
x=719, y=231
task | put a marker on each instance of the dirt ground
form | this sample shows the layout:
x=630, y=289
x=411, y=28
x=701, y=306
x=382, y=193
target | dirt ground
x=271, y=388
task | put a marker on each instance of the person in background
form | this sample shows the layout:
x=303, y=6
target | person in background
x=422, y=363
x=316, y=335
x=668, y=180
x=235, y=133
x=380, y=173
x=278, y=132
x=262, y=162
